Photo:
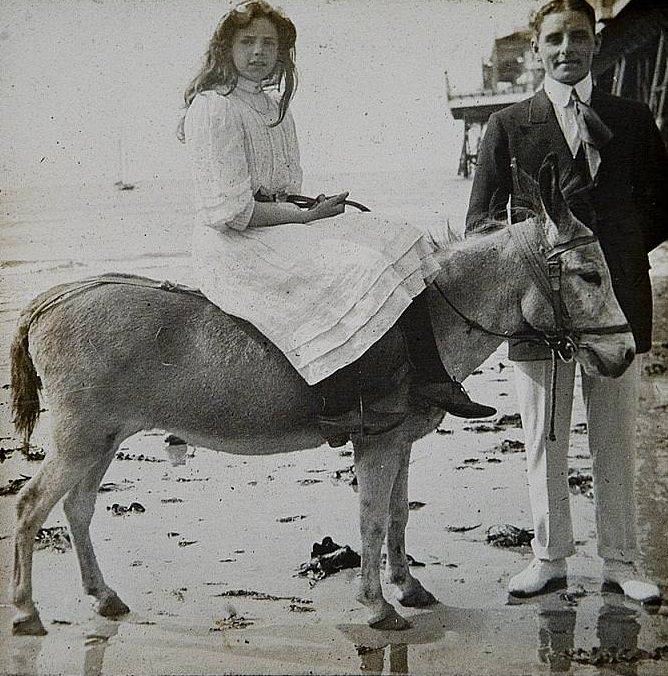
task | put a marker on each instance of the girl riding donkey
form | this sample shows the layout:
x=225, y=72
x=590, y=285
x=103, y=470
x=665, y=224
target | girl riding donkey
x=323, y=285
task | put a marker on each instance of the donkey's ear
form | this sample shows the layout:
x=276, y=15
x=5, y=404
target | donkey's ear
x=523, y=183
x=526, y=194
x=551, y=196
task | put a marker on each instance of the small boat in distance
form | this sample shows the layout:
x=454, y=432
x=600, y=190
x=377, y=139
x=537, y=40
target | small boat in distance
x=123, y=183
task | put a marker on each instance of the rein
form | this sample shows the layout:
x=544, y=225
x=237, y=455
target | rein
x=562, y=340
x=308, y=202
x=302, y=201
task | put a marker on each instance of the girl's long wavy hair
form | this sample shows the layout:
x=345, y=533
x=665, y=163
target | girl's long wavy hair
x=218, y=69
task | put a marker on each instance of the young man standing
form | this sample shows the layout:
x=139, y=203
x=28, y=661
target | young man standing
x=614, y=146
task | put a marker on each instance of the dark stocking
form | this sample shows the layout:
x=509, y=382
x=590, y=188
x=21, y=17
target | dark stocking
x=340, y=392
x=335, y=391
x=416, y=326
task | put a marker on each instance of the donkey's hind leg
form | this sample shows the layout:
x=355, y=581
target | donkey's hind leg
x=79, y=506
x=37, y=498
x=411, y=593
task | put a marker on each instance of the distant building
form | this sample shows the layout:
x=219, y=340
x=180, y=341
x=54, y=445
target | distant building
x=512, y=65
x=510, y=75
x=632, y=63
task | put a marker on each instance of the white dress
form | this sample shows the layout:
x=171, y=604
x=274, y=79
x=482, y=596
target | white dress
x=322, y=292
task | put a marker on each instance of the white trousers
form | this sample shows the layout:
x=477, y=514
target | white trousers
x=611, y=406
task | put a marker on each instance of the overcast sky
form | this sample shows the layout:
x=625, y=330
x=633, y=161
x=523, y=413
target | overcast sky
x=78, y=75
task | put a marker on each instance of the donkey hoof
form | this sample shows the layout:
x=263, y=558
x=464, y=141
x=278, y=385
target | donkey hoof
x=30, y=625
x=390, y=622
x=417, y=598
x=112, y=606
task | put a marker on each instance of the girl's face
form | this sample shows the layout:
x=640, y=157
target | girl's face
x=255, y=49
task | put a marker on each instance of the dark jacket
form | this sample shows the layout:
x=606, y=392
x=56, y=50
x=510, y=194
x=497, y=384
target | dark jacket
x=627, y=206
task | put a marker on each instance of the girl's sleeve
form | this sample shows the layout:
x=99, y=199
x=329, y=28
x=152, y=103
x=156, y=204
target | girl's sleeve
x=215, y=142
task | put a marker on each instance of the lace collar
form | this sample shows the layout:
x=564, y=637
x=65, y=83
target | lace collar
x=249, y=86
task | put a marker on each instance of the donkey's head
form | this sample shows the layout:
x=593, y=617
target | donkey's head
x=573, y=297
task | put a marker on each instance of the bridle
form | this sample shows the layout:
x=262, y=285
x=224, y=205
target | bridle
x=546, y=266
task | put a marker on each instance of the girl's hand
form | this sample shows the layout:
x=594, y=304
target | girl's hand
x=326, y=207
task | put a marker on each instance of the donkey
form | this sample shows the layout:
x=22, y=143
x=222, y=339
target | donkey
x=118, y=355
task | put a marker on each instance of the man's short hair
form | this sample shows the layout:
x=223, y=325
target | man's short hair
x=557, y=6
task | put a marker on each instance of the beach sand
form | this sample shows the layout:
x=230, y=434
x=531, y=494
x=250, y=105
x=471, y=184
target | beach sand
x=215, y=524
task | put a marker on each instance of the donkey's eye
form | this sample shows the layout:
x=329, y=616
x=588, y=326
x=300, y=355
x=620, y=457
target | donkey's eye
x=591, y=277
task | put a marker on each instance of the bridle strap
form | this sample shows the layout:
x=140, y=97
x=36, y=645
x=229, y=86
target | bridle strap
x=534, y=258
x=563, y=247
x=603, y=330
x=553, y=259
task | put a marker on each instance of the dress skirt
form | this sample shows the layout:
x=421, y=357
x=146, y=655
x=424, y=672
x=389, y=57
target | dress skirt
x=322, y=292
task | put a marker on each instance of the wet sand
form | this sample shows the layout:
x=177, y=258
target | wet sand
x=215, y=523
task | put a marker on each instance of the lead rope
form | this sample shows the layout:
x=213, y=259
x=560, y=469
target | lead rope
x=565, y=349
x=553, y=395
x=554, y=278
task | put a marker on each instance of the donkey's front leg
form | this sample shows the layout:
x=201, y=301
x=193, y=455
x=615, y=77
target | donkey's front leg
x=410, y=591
x=376, y=465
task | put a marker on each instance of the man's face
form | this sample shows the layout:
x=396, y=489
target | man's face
x=566, y=45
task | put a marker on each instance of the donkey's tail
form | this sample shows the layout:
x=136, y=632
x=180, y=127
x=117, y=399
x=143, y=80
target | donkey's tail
x=26, y=384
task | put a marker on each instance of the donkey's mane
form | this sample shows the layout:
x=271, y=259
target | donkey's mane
x=494, y=224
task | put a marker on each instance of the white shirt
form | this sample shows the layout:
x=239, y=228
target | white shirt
x=234, y=153
x=560, y=97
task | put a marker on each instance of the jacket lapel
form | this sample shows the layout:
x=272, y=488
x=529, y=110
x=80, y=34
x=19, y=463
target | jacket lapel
x=540, y=109
x=543, y=130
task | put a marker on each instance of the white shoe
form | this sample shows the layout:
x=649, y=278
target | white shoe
x=624, y=576
x=539, y=577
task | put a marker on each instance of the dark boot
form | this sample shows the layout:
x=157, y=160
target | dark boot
x=434, y=383
x=452, y=397
x=343, y=412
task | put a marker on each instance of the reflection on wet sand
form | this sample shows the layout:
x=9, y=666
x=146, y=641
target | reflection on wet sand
x=446, y=636
x=617, y=631
x=556, y=636
x=382, y=652
x=618, y=627
x=30, y=654
x=95, y=645
x=373, y=660
x=23, y=657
